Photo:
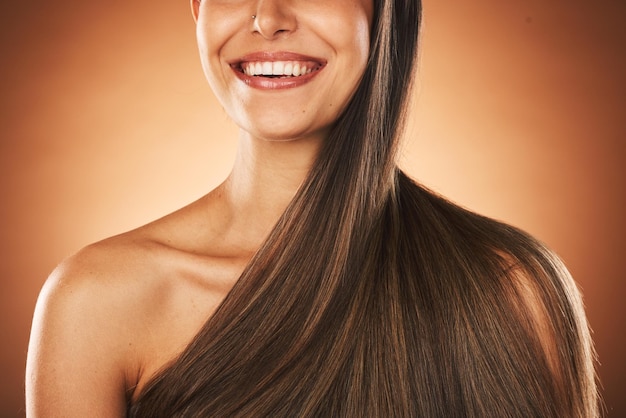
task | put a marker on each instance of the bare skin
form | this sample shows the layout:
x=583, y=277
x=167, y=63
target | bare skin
x=114, y=314
x=117, y=312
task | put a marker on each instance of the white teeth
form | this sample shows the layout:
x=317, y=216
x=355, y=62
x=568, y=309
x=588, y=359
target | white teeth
x=286, y=68
x=267, y=68
x=278, y=68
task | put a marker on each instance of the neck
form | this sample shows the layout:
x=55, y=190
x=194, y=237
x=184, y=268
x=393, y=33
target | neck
x=265, y=177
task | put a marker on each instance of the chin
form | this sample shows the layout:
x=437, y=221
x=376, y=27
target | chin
x=277, y=135
x=284, y=128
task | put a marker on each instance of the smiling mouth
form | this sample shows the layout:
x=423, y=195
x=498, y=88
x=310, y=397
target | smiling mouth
x=278, y=69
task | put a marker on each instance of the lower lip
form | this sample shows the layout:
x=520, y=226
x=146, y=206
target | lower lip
x=266, y=83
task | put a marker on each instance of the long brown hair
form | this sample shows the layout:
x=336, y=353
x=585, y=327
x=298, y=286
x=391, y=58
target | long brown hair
x=373, y=297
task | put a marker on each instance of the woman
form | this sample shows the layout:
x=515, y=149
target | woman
x=317, y=280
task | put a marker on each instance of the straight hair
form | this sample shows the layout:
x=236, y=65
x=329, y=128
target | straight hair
x=374, y=297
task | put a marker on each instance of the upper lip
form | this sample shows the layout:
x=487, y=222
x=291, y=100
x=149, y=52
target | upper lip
x=268, y=56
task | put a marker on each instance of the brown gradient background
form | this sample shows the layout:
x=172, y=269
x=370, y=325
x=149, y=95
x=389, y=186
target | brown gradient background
x=106, y=123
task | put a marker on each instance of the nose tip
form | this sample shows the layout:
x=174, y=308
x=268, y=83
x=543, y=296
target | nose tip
x=273, y=20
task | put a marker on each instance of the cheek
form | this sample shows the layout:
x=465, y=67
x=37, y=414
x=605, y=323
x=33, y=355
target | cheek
x=355, y=47
x=211, y=37
x=349, y=34
x=361, y=36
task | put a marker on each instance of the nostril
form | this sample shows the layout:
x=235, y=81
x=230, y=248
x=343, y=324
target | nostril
x=271, y=21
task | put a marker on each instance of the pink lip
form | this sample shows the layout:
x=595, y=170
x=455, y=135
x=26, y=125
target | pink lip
x=267, y=83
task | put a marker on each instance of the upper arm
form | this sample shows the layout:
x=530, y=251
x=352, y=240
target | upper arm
x=77, y=353
x=549, y=305
x=531, y=306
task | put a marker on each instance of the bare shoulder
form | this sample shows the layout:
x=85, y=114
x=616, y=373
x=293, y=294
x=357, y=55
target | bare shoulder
x=84, y=335
x=106, y=281
x=112, y=315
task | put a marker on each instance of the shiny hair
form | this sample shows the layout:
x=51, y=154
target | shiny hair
x=374, y=297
